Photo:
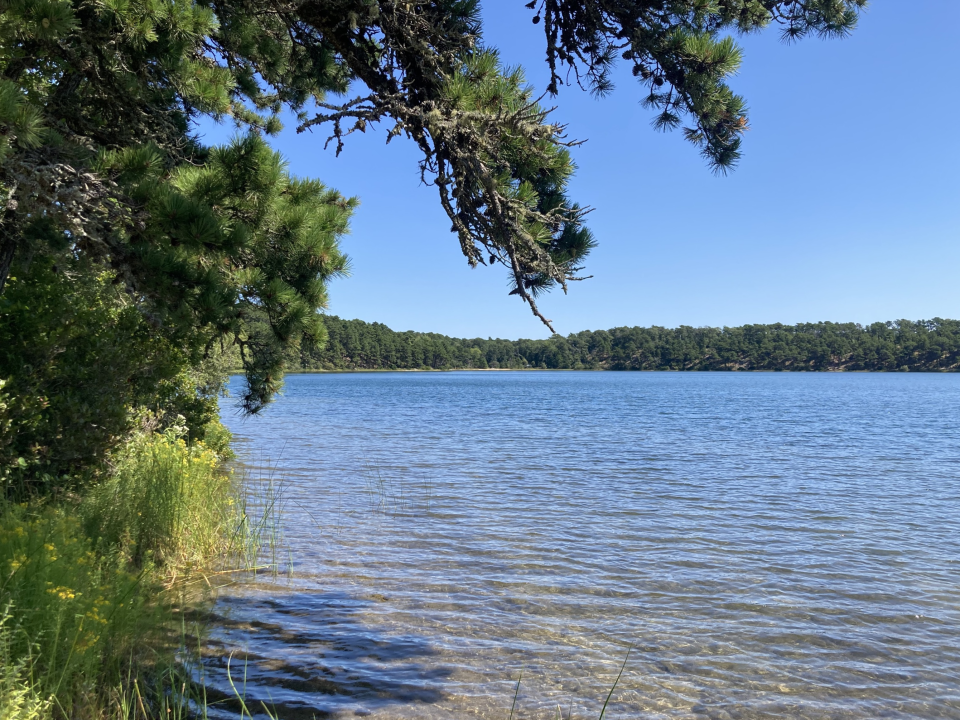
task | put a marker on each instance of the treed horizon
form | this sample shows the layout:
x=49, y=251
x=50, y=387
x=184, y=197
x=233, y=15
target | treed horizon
x=924, y=345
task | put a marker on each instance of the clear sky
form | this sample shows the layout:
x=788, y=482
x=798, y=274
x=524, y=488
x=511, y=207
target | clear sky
x=845, y=207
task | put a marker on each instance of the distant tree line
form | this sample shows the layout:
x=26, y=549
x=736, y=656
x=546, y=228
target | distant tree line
x=926, y=345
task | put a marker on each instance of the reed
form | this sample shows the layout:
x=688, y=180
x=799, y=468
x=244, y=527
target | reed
x=559, y=712
x=257, y=540
x=90, y=588
x=168, y=503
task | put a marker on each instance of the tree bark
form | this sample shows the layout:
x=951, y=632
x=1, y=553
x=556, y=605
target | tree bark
x=8, y=247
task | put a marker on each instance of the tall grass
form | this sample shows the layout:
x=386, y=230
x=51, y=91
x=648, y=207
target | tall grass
x=72, y=615
x=20, y=698
x=89, y=587
x=167, y=503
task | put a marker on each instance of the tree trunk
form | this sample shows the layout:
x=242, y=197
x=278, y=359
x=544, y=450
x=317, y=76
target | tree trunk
x=8, y=247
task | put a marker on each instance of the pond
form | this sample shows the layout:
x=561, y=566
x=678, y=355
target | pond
x=761, y=544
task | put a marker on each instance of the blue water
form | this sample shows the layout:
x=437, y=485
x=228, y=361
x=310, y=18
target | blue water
x=769, y=545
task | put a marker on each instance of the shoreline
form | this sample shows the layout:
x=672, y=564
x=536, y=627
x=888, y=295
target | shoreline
x=236, y=371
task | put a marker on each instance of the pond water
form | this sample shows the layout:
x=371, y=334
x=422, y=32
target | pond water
x=764, y=545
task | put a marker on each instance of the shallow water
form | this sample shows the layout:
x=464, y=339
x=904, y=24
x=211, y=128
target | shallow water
x=769, y=545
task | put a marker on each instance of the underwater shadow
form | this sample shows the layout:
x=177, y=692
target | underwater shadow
x=306, y=654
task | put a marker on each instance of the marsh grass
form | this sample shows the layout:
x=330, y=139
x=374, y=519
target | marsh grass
x=257, y=543
x=168, y=503
x=391, y=496
x=91, y=588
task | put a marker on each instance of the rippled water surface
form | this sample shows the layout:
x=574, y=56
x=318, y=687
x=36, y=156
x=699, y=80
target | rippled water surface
x=770, y=545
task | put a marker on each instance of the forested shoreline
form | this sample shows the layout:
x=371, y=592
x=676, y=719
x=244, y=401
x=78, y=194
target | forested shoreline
x=925, y=345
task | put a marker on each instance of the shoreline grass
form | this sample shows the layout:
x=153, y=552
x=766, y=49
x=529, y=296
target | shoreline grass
x=92, y=586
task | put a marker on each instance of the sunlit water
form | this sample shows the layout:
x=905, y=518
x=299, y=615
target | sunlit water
x=769, y=545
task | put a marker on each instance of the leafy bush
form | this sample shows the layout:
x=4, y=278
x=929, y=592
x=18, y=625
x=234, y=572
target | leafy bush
x=80, y=365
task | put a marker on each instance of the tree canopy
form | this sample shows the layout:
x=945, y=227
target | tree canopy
x=108, y=192
x=903, y=345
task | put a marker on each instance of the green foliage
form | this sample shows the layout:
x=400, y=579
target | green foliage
x=72, y=615
x=76, y=357
x=932, y=345
x=679, y=53
x=230, y=239
x=20, y=123
x=82, y=367
x=532, y=172
x=82, y=582
x=195, y=237
x=280, y=241
x=166, y=501
x=136, y=254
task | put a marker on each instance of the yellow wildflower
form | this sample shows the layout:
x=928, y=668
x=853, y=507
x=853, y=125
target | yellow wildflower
x=64, y=593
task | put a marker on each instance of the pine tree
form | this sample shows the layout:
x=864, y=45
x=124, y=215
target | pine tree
x=102, y=176
x=499, y=165
x=98, y=162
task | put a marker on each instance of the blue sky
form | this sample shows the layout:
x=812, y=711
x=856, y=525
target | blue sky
x=845, y=207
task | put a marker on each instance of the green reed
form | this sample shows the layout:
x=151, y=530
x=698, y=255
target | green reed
x=559, y=713
x=91, y=587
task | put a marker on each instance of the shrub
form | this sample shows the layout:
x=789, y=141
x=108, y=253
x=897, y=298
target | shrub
x=75, y=357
